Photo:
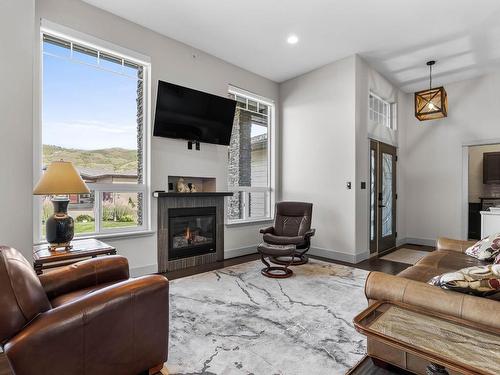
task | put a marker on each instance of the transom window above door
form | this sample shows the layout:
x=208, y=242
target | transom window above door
x=381, y=111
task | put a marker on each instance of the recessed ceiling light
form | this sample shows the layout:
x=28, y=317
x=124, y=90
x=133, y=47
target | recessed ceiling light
x=292, y=39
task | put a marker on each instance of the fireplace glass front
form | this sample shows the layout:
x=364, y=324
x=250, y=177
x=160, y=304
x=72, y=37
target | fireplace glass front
x=191, y=231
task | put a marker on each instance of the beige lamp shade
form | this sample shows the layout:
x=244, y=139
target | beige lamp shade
x=61, y=177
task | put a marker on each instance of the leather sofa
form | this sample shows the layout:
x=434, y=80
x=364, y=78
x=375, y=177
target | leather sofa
x=86, y=318
x=411, y=287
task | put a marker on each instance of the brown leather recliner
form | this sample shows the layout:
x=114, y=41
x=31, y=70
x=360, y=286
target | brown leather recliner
x=86, y=318
x=292, y=226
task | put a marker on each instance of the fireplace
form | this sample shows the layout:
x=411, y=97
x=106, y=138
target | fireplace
x=192, y=231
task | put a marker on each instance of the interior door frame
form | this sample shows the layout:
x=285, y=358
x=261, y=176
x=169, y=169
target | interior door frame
x=373, y=242
x=465, y=181
x=379, y=241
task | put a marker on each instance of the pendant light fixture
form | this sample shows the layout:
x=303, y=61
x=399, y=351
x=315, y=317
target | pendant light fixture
x=431, y=104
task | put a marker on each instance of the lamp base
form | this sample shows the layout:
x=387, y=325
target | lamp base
x=60, y=246
x=60, y=227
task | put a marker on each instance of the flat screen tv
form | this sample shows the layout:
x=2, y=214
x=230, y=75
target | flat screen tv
x=193, y=115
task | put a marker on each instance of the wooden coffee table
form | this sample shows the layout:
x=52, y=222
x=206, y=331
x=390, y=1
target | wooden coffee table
x=43, y=258
x=447, y=342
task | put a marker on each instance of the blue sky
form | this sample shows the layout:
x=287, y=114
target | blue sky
x=85, y=107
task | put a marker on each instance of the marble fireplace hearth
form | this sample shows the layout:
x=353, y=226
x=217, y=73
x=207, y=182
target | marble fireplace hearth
x=168, y=203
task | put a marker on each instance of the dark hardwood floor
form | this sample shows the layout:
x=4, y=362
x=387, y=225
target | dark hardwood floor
x=366, y=367
x=372, y=264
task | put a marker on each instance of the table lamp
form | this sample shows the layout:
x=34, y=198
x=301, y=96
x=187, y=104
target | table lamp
x=60, y=179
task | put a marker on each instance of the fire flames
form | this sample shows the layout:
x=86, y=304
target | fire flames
x=188, y=235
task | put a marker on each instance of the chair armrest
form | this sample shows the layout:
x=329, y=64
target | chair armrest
x=85, y=274
x=383, y=287
x=311, y=232
x=267, y=230
x=123, y=327
x=460, y=246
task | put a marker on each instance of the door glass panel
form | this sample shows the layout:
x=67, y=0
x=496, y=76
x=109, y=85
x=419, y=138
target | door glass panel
x=372, y=194
x=386, y=194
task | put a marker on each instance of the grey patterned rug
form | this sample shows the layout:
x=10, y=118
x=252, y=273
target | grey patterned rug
x=236, y=321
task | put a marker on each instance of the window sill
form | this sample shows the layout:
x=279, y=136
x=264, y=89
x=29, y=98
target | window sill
x=249, y=222
x=114, y=236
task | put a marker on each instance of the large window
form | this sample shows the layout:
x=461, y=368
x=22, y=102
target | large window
x=382, y=112
x=93, y=103
x=249, y=175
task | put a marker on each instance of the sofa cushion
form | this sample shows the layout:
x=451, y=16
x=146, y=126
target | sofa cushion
x=486, y=249
x=420, y=273
x=283, y=240
x=449, y=260
x=437, y=263
x=72, y=296
x=481, y=281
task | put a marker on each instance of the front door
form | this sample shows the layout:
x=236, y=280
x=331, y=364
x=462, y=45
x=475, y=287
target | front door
x=382, y=197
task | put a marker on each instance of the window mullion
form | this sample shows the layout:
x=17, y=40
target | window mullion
x=97, y=210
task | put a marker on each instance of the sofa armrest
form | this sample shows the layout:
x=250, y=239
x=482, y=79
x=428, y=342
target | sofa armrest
x=460, y=246
x=267, y=230
x=122, y=328
x=383, y=287
x=85, y=274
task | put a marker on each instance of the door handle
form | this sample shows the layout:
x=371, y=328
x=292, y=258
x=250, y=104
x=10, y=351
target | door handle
x=381, y=205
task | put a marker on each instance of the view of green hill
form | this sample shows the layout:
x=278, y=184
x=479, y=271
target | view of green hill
x=105, y=160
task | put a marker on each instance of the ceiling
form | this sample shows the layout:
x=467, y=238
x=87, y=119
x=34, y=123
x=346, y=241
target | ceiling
x=396, y=37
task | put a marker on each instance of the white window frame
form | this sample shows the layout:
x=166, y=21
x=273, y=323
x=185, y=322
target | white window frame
x=82, y=39
x=270, y=189
x=389, y=119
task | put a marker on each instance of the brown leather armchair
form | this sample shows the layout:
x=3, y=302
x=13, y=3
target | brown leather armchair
x=292, y=226
x=86, y=318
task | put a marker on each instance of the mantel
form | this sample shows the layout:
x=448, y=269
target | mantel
x=166, y=194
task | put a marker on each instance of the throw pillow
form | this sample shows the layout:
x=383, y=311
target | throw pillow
x=481, y=281
x=486, y=249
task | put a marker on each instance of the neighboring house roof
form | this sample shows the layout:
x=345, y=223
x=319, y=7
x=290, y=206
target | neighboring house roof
x=259, y=142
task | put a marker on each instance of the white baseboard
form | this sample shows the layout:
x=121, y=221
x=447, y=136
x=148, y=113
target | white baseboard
x=361, y=257
x=420, y=241
x=144, y=270
x=233, y=253
x=337, y=255
x=401, y=241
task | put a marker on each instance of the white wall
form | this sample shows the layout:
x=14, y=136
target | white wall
x=325, y=143
x=434, y=158
x=318, y=152
x=16, y=131
x=367, y=79
x=171, y=61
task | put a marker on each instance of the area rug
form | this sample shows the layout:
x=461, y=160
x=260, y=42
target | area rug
x=236, y=321
x=408, y=256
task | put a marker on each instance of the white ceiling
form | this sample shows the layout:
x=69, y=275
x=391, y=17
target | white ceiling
x=396, y=37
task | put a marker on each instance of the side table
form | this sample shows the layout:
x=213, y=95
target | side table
x=43, y=258
x=446, y=342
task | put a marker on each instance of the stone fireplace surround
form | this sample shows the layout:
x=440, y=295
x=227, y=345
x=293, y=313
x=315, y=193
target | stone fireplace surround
x=167, y=200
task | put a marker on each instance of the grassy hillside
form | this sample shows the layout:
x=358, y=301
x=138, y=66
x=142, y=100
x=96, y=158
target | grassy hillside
x=108, y=160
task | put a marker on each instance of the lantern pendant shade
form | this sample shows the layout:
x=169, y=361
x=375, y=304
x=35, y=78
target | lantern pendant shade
x=431, y=104
x=60, y=178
